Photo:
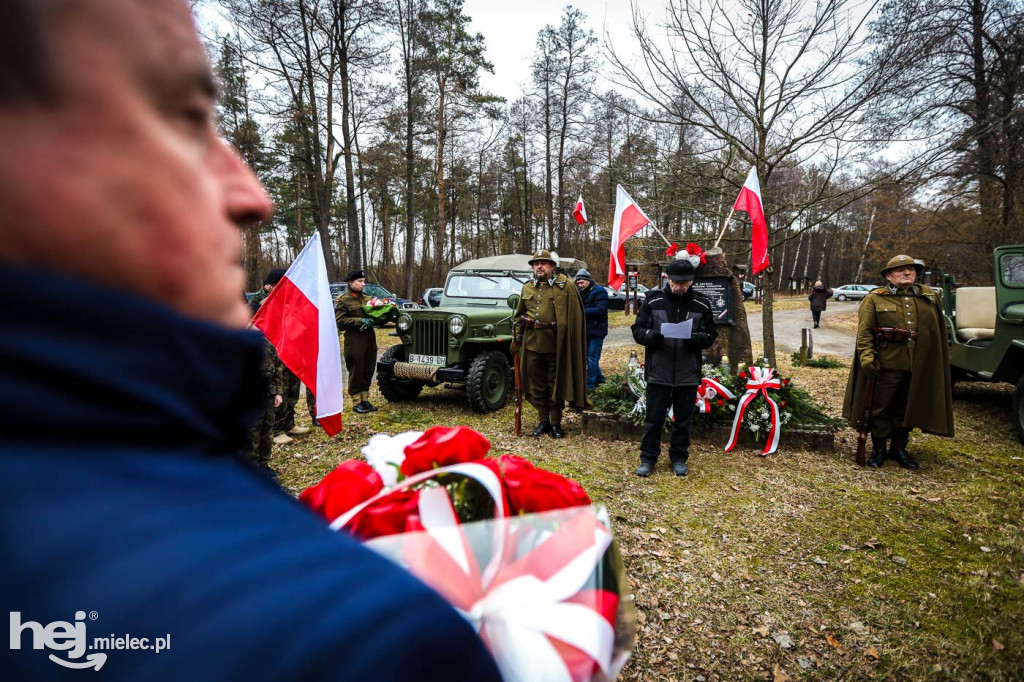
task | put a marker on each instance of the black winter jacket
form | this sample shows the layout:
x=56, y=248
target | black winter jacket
x=674, y=362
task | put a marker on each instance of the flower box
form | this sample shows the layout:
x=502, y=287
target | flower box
x=609, y=426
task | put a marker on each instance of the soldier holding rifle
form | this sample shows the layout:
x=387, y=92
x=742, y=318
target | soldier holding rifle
x=900, y=371
x=551, y=342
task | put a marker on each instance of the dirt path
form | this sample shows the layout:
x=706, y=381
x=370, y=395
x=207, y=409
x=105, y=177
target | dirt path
x=788, y=324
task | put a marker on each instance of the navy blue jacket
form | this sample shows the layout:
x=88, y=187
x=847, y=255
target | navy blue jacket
x=595, y=305
x=122, y=495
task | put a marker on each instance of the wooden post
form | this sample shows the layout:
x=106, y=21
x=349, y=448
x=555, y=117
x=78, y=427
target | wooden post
x=806, y=345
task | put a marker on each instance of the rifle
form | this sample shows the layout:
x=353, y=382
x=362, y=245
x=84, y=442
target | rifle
x=519, y=393
x=863, y=426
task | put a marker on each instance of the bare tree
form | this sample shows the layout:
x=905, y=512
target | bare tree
x=769, y=83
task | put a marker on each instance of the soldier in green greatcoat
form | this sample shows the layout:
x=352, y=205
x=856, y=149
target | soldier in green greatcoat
x=360, y=341
x=551, y=336
x=901, y=341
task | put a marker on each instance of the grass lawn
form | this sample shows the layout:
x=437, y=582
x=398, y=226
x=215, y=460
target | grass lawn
x=795, y=566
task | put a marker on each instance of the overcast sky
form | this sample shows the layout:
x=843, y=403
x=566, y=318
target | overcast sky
x=510, y=30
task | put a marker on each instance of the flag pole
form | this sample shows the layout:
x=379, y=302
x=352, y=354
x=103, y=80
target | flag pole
x=724, y=225
x=659, y=233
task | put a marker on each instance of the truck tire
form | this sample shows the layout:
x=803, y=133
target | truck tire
x=1018, y=410
x=396, y=390
x=488, y=382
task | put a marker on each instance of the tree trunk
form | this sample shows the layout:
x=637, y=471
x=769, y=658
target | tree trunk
x=355, y=257
x=442, y=222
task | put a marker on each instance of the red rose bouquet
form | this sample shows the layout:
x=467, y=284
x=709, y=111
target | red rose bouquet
x=519, y=551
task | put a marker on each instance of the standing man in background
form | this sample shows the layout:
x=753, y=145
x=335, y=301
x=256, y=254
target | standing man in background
x=551, y=336
x=360, y=341
x=595, y=306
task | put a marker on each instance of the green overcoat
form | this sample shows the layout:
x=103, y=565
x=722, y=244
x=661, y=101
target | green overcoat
x=571, y=341
x=930, y=402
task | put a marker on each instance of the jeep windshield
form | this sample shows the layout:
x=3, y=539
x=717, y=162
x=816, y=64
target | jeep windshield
x=483, y=285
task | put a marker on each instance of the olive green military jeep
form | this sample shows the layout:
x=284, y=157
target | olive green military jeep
x=986, y=326
x=465, y=342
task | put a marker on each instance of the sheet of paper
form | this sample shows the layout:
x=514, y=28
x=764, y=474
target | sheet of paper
x=677, y=330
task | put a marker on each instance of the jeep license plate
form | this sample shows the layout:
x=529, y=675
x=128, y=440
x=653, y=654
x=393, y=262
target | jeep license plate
x=438, y=360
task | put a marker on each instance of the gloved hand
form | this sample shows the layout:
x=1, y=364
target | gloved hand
x=654, y=339
x=869, y=365
x=700, y=340
x=366, y=323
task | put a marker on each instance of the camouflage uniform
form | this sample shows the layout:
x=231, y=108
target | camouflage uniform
x=263, y=431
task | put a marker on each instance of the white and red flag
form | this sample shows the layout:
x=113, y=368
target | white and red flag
x=629, y=220
x=580, y=211
x=298, y=319
x=749, y=200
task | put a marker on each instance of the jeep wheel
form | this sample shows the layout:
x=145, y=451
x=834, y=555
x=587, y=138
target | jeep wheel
x=1018, y=410
x=488, y=382
x=841, y=297
x=396, y=390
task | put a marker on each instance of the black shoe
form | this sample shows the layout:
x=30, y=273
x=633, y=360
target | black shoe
x=360, y=408
x=644, y=469
x=367, y=407
x=556, y=431
x=878, y=453
x=898, y=450
x=679, y=468
x=542, y=428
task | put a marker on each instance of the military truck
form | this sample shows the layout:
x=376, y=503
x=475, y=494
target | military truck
x=986, y=326
x=465, y=342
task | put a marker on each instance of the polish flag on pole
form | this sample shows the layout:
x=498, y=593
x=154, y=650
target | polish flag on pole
x=749, y=200
x=298, y=319
x=629, y=220
x=580, y=211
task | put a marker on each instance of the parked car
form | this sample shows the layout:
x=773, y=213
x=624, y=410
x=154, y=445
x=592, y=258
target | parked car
x=617, y=299
x=431, y=297
x=465, y=342
x=748, y=290
x=373, y=289
x=852, y=292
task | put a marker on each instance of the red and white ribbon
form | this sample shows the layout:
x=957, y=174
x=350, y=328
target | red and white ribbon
x=538, y=613
x=761, y=379
x=708, y=390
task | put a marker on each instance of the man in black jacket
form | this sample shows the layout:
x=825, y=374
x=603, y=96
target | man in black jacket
x=673, y=365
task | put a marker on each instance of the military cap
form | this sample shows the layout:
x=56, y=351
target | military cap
x=681, y=270
x=543, y=255
x=900, y=261
x=354, y=274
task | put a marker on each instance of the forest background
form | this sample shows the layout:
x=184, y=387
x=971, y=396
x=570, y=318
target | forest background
x=876, y=128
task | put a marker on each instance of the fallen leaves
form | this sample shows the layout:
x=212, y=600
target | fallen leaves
x=873, y=543
x=780, y=674
x=997, y=645
x=783, y=640
x=836, y=644
x=872, y=653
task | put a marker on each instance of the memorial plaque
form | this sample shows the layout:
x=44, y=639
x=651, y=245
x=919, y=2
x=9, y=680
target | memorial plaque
x=719, y=291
